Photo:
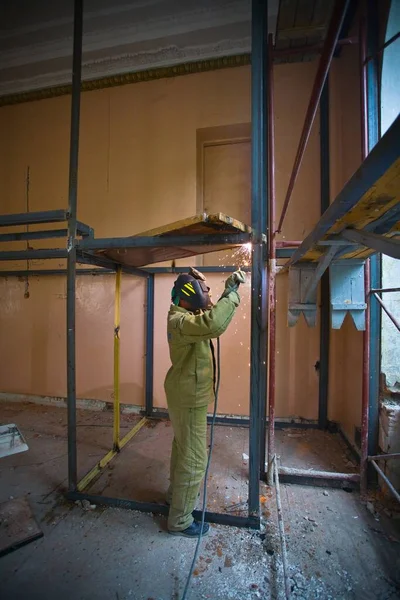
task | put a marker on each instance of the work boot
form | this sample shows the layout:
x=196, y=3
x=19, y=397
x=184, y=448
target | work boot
x=193, y=531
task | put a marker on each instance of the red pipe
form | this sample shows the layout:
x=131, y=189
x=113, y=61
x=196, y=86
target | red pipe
x=332, y=37
x=367, y=275
x=387, y=311
x=290, y=244
x=272, y=267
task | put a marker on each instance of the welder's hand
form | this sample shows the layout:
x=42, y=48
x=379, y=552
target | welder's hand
x=235, y=280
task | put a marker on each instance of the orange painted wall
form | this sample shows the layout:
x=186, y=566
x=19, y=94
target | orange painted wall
x=138, y=159
x=346, y=344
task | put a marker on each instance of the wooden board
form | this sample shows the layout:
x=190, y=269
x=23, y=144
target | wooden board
x=17, y=525
x=203, y=224
x=369, y=201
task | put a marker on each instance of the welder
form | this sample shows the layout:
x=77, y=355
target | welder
x=193, y=322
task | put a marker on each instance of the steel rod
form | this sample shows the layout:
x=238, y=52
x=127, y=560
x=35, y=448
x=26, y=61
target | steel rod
x=390, y=41
x=259, y=191
x=382, y=290
x=386, y=480
x=53, y=272
x=335, y=26
x=42, y=253
x=366, y=334
x=97, y=470
x=33, y=235
x=384, y=456
x=387, y=311
x=290, y=244
x=327, y=475
x=149, y=391
x=30, y=218
x=71, y=243
x=117, y=329
x=325, y=328
x=281, y=530
x=272, y=269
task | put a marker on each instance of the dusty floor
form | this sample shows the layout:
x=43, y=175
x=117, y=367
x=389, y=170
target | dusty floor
x=336, y=547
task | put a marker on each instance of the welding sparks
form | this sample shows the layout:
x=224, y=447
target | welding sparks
x=242, y=255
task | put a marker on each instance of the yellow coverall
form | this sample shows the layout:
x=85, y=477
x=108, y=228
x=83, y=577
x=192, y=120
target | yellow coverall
x=189, y=387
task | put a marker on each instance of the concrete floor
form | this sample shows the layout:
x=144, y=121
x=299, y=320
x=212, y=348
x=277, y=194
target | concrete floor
x=336, y=548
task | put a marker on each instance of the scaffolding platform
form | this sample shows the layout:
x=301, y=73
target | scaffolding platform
x=203, y=233
x=364, y=219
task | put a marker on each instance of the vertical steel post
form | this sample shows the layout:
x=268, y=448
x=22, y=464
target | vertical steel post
x=117, y=344
x=324, y=338
x=272, y=266
x=373, y=87
x=71, y=248
x=259, y=176
x=149, y=346
x=372, y=335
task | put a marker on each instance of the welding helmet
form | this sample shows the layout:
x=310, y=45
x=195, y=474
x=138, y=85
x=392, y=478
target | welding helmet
x=194, y=291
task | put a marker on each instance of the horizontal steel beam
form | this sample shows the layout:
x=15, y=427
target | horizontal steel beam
x=84, y=230
x=164, y=241
x=42, y=253
x=44, y=216
x=33, y=235
x=63, y=272
x=88, y=258
x=242, y=421
x=205, y=269
x=379, y=243
x=162, y=509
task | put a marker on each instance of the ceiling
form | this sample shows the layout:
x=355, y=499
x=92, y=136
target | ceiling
x=124, y=37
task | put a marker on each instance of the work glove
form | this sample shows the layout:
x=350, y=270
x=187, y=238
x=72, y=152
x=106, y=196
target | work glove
x=233, y=282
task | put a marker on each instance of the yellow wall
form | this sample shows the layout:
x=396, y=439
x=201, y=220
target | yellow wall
x=138, y=162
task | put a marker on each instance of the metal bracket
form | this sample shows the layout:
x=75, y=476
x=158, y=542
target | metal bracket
x=347, y=291
x=300, y=279
x=303, y=285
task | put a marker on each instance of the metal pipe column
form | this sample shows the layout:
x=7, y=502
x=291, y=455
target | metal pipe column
x=259, y=176
x=71, y=248
x=117, y=369
x=373, y=86
x=272, y=267
x=324, y=338
x=149, y=346
x=372, y=277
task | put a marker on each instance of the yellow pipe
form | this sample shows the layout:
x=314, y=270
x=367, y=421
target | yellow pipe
x=96, y=471
x=117, y=323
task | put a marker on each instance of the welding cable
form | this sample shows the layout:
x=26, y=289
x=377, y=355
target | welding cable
x=203, y=512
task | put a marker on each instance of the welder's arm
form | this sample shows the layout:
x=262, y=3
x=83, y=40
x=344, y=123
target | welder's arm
x=212, y=323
